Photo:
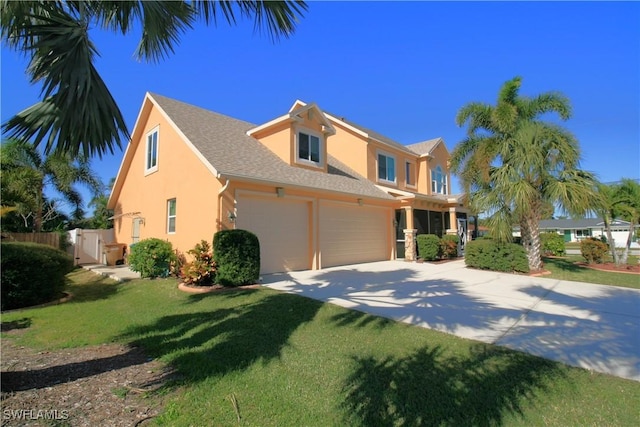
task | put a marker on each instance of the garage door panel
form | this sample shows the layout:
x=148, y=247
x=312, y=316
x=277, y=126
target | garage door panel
x=282, y=229
x=352, y=234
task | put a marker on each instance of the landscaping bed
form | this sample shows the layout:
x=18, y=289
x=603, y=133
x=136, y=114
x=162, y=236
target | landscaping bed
x=106, y=385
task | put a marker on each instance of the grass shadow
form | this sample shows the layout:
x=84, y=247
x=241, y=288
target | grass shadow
x=86, y=286
x=23, y=323
x=360, y=319
x=564, y=264
x=207, y=344
x=430, y=388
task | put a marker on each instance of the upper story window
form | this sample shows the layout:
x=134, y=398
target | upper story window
x=409, y=173
x=309, y=148
x=386, y=168
x=151, y=152
x=171, y=216
x=438, y=181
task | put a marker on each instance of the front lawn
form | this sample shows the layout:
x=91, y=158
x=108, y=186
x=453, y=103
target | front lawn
x=264, y=358
x=566, y=269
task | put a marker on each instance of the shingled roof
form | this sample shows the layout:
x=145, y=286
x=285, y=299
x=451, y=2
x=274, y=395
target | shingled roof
x=224, y=143
x=425, y=147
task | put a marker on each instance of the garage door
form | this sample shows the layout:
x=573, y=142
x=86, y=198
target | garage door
x=282, y=226
x=352, y=234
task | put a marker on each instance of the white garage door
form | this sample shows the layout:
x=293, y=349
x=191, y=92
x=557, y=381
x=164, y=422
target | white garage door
x=282, y=226
x=352, y=234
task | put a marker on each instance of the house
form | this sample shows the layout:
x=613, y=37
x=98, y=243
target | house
x=575, y=230
x=317, y=189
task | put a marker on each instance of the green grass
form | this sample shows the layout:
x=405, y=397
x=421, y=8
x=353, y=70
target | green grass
x=263, y=358
x=566, y=269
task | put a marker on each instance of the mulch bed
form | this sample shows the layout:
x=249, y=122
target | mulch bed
x=105, y=385
x=612, y=268
x=213, y=288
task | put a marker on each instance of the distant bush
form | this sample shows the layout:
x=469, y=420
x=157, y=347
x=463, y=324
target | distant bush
x=32, y=274
x=552, y=244
x=593, y=250
x=428, y=246
x=449, y=245
x=487, y=254
x=202, y=270
x=237, y=257
x=151, y=257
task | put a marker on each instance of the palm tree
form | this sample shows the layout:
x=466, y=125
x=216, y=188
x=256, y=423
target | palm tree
x=26, y=174
x=626, y=204
x=77, y=113
x=606, y=210
x=513, y=165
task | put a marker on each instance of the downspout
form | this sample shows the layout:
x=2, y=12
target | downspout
x=222, y=190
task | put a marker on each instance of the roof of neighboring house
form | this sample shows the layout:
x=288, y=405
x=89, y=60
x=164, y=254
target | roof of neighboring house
x=425, y=147
x=224, y=143
x=572, y=224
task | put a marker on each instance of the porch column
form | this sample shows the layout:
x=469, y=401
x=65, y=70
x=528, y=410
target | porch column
x=410, y=244
x=453, y=222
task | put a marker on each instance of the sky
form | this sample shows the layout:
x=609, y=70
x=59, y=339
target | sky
x=403, y=69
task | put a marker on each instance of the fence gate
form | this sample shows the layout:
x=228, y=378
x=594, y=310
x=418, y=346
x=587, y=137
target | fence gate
x=87, y=246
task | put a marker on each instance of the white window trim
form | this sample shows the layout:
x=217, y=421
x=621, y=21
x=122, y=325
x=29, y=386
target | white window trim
x=445, y=183
x=152, y=169
x=169, y=216
x=406, y=178
x=321, y=148
x=395, y=162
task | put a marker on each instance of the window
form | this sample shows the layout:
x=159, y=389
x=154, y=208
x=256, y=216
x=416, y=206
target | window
x=171, y=216
x=409, y=174
x=308, y=148
x=151, y=152
x=438, y=181
x=386, y=168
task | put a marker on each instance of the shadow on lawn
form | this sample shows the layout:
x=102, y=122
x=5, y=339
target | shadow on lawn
x=431, y=388
x=213, y=343
x=564, y=264
x=93, y=287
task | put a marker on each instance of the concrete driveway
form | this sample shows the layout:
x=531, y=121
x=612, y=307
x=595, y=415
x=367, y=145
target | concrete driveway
x=590, y=326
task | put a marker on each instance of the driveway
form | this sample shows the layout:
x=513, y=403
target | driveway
x=590, y=326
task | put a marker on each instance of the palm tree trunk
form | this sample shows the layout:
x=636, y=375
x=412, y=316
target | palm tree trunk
x=610, y=241
x=625, y=254
x=530, y=232
x=37, y=217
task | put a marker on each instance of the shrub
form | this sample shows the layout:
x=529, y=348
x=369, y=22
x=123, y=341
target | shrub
x=237, y=257
x=449, y=245
x=151, y=257
x=202, y=270
x=593, y=250
x=32, y=274
x=632, y=260
x=428, y=246
x=552, y=244
x=491, y=255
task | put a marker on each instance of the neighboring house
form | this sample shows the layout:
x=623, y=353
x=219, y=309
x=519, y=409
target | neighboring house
x=575, y=230
x=316, y=189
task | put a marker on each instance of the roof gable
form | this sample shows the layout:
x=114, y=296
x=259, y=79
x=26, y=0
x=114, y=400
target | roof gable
x=426, y=148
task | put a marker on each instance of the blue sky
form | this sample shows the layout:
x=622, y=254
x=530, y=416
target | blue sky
x=403, y=69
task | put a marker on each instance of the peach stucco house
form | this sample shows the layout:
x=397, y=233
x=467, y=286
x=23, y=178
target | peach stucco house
x=316, y=189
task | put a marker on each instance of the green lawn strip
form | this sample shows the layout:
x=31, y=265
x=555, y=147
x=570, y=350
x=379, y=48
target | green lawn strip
x=566, y=269
x=271, y=358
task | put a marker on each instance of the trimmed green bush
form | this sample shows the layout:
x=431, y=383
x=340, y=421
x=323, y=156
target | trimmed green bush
x=428, y=246
x=449, y=245
x=487, y=254
x=32, y=274
x=552, y=244
x=151, y=257
x=632, y=260
x=237, y=257
x=593, y=250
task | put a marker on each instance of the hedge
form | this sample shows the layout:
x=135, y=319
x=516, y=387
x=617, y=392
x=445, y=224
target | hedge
x=237, y=257
x=428, y=246
x=552, y=244
x=593, y=250
x=487, y=254
x=151, y=257
x=32, y=274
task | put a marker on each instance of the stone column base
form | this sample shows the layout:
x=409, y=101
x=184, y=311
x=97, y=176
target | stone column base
x=410, y=253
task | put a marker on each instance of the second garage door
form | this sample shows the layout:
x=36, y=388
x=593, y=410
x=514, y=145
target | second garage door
x=352, y=234
x=282, y=228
